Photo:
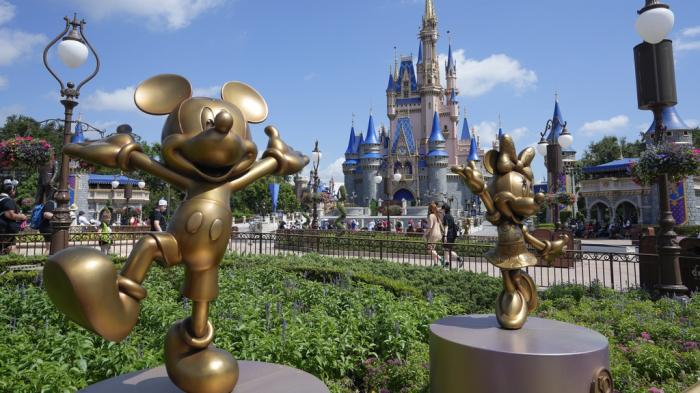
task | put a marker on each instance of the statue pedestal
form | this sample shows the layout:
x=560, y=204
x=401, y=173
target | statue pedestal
x=471, y=353
x=254, y=377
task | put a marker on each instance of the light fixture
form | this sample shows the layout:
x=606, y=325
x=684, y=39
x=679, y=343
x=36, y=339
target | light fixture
x=542, y=147
x=565, y=139
x=115, y=183
x=397, y=177
x=72, y=50
x=316, y=155
x=141, y=184
x=654, y=22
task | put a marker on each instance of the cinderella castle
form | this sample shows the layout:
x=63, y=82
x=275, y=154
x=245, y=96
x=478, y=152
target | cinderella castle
x=411, y=160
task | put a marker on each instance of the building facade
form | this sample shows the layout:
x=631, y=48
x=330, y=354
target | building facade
x=610, y=192
x=422, y=140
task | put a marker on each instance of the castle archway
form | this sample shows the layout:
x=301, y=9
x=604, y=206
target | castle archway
x=403, y=194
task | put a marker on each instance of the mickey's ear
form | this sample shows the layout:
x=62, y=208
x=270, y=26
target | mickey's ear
x=160, y=94
x=247, y=99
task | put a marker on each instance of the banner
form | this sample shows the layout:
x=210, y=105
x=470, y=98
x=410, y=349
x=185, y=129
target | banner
x=677, y=202
x=274, y=193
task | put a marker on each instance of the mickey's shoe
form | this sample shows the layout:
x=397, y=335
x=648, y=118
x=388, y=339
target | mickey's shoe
x=83, y=284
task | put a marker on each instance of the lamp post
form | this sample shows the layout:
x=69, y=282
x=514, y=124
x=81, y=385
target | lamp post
x=551, y=148
x=73, y=51
x=656, y=90
x=316, y=159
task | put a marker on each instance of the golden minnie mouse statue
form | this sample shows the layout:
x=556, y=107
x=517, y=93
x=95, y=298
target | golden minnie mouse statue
x=509, y=200
x=208, y=152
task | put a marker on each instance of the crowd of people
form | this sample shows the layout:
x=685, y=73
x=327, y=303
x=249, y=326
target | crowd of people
x=17, y=217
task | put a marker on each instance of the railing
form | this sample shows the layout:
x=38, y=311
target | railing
x=610, y=269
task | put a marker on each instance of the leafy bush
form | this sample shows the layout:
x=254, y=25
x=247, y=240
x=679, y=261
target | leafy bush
x=360, y=325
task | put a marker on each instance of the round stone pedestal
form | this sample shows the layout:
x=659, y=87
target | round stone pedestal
x=471, y=353
x=254, y=377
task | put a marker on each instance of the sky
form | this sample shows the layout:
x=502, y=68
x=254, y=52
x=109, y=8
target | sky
x=318, y=62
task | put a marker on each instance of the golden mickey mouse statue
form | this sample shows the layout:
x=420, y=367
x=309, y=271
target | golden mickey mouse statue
x=509, y=200
x=208, y=152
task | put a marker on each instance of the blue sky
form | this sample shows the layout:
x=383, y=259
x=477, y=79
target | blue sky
x=319, y=61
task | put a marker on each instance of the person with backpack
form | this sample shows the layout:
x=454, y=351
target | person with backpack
x=45, y=216
x=450, y=237
x=10, y=217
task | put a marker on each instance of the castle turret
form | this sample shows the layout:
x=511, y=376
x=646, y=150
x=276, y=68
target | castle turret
x=370, y=161
x=431, y=92
x=465, y=136
x=451, y=73
x=437, y=160
x=473, y=151
x=419, y=63
x=350, y=164
x=391, y=97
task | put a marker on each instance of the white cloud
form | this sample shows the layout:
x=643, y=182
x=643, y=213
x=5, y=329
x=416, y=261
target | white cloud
x=211, y=91
x=6, y=111
x=169, y=14
x=15, y=44
x=611, y=125
x=692, y=123
x=334, y=170
x=691, y=31
x=478, y=77
x=117, y=100
x=7, y=11
x=682, y=45
x=487, y=131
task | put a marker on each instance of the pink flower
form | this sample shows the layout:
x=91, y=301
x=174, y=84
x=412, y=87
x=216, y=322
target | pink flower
x=655, y=390
x=645, y=336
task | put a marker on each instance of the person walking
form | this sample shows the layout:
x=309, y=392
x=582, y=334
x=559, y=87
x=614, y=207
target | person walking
x=10, y=217
x=105, y=231
x=157, y=218
x=433, y=233
x=450, y=236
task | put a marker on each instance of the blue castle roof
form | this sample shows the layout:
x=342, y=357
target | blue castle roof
x=390, y=85
x=407, y=65
x=371, y=137
x=473, y=151
x=358, y=141
x=465, y=131
x=420, y=53
x=453, y=97
x=404, y=127
x=107, y=179
x=500, y=134
x=450, y=60
x=351, y=142
x=557, y=124
x=612, y=166
x=437, y=153
x=435, y=134
x=671, y=120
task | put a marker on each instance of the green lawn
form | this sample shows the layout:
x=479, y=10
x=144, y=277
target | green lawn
x=358, y=325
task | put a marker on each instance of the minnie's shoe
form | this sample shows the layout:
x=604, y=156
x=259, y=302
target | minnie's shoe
x=83, y=284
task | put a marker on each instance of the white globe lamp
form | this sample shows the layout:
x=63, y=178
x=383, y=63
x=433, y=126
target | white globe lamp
x=654, y=22
x=397, y=177
x=72, y=52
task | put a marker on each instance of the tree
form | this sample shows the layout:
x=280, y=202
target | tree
x=256, y=198
x=20, y=125
x=696, y=137
x=610, y=149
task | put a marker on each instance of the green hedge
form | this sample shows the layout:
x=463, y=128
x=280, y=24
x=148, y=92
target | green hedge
x=360, y=325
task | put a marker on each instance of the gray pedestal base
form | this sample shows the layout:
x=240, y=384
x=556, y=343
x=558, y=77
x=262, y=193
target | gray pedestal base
x=471, y=353
x=254, y=377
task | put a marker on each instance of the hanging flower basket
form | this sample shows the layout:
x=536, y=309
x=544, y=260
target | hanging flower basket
x=562, y=198
x=25, y=152
x=676, y=161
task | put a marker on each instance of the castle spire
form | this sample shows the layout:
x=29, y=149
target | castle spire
x=450, y=66
x=473, y=151
x=352, y=140
x=371, y=137
x=465, y=130
x=396, y=66
x=429, y=10
x=435, y=134
x=420, y=52
x=557, y=121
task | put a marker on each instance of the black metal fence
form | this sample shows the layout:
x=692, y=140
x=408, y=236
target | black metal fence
x=610, y=269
